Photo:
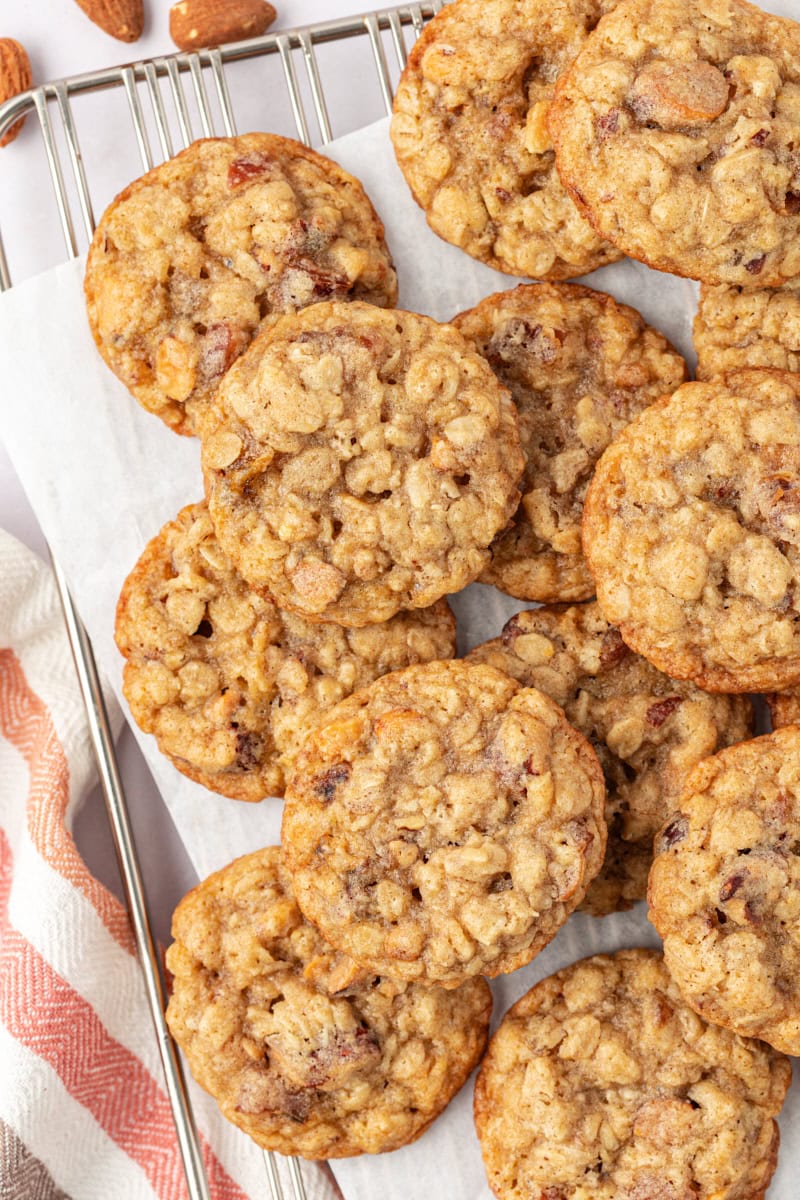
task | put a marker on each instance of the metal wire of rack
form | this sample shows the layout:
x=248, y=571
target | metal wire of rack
x=203, y=111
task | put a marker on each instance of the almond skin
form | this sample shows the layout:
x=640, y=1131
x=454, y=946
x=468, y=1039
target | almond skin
x=194, y=24
x=122, y=19
x=15, y=77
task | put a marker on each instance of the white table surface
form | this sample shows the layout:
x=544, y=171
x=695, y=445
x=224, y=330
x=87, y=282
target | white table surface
x=61, y=41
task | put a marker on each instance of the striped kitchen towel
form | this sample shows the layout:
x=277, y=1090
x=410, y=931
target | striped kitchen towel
x=83, y=1112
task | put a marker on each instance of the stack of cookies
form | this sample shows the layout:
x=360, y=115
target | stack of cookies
x=290, y=634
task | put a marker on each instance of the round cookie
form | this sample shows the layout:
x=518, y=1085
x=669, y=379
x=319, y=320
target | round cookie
x=741, y=327
x=647, y=730
x=470, y=133
x=188, y=261
x=443, y=823
x=228, y=684
x=691, y=528
x=724, y=889
x=675, y=132
x=302, y=1050
x=601, y=1084
x=359, y=461
x=579, y=367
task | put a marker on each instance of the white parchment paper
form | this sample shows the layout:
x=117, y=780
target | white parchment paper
x=103, y=476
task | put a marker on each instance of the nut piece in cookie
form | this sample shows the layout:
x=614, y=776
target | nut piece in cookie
x=302, y=1050
x=724, y=889
x=188, y=261
x=691, y=529
x=745, y=327
x=471, y=136
x=602, y=1084
x=579, y=367
x=229, y=685
x=360, y=460
x=647, y=730
x=675, y=132
x=443, y=823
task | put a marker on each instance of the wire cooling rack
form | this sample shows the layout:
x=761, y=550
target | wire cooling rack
x=171, y=101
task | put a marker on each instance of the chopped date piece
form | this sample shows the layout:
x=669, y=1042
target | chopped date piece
x=673, y=833
x=327, y=783
x=658, y=713
x=242, y=170
x=612, y=649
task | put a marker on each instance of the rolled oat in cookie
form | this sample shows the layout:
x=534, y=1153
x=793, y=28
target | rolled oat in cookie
x=579, y=367
x=229, y=685
x=360, y=460
x=301, y=1049
x=691, y=529
x=470, y=133
x=188, y=261
x=745, y=327
x=675, y=132
x=443, y=823
x=602, y=1084
x=724, y=889
x=647, y=730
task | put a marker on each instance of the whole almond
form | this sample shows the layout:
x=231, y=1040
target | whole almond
x=197, y=23
x=123, y=19
x=15, y=77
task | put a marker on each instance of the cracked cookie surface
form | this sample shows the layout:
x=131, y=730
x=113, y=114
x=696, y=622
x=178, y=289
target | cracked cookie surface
x=647, y=730
x=300, y=1049
x=742, y=327
x=725, y=889
x=691, y=529
x=675, y=132
x=359, y=461
x=470, y=133
x=602, y=1084
x=189, y=260
x=229, y=685
x=579, y=367
x=444, y=823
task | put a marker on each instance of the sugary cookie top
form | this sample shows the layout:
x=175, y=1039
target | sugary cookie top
x=359, y=461
x=444, y=823
x=305, y=1052
x=692, y=531
x=188, y=261
x=470, y=133
x=676, y=132
x=725, y=889
x=579, y=367
x=229, y=685
x=602, y=1084
x=742, y=327
x=647, y=730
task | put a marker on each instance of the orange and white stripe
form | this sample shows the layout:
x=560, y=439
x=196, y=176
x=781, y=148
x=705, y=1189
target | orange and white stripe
x=82, y=1107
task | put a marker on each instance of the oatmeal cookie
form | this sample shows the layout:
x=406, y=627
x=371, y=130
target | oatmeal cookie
x=231, y=686
x=675, y=132
x=188, y=261
x=579, y=367
x=443, y=823
x=602, y=1084
x=742, y=327
x=359, y=461
x=470, y=133
x=647, y=730
x=300, y=1048
x=724, y=889
x=691, y=528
